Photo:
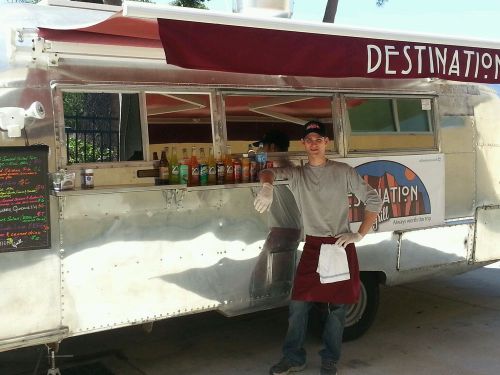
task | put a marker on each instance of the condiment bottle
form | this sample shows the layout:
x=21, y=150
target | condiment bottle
x=163, y=169
x=195, y=168
x=220, y=170
x=254, y=170
x=212, y=168
x=156, y=161
x=245, y=168
x=174, y=167
x=251, y=152
x=203, y=168
x=261, y=156
x=228, y=163
x=237, y=170
x=88, y=179
x=184, y=168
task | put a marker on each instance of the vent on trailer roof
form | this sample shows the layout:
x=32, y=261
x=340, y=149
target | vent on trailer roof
x=269, y=8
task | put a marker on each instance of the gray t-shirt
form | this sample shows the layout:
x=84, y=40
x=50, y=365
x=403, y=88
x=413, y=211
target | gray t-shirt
x=322, y=195
x=284, y=212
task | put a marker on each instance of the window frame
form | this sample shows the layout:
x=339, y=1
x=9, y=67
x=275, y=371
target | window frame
x=210, y=93
x=432, y=118
x=340, y=119
x=58, y=91
x=334, y=151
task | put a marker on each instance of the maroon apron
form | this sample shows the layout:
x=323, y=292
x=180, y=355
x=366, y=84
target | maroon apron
x=307, y=287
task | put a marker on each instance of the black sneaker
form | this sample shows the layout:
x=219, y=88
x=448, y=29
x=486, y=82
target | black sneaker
x=284, y=367
x=328, y=367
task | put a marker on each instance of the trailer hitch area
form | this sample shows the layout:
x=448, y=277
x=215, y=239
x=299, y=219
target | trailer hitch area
x=52, y=349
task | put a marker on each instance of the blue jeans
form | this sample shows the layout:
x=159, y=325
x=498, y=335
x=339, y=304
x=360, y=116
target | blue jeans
x=293, y=348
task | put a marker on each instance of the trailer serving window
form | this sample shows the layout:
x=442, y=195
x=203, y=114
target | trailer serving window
x=102, y=127
x=381, y=123
x=179, y=120
x=250, y=117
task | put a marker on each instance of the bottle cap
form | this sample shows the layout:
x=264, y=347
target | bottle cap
x=89, y=170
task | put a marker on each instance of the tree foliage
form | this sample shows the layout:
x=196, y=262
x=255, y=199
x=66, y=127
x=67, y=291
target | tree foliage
x=331, y=9
x=190, y=3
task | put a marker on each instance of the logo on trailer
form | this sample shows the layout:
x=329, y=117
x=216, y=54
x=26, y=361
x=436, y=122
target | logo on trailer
x=403, y=193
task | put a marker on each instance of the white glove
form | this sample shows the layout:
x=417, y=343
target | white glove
x=345, y=239
x=265, y=197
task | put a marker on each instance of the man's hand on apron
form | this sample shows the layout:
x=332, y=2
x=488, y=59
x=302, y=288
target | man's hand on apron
x=265, y=197
x=345, y=239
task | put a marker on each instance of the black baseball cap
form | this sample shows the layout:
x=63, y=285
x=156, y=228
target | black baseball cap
x=276, y=137
x=314, y=126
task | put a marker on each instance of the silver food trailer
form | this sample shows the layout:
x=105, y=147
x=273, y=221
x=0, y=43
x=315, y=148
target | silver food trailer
x=101, y=88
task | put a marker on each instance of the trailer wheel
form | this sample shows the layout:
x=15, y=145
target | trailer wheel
x=360, y=316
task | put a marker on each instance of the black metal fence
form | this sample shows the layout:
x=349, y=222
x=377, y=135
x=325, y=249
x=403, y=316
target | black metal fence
x=91, y=139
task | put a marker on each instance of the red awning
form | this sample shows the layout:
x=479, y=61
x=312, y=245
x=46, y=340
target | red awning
x=242, y=49
x=114, y=31
x=205, y=40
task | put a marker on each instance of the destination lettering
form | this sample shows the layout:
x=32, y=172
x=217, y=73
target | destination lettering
x=431, y=60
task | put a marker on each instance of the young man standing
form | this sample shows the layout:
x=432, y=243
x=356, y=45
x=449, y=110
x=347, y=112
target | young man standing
x=321, y=189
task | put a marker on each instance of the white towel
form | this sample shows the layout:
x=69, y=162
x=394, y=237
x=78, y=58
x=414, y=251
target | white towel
x=332, y=264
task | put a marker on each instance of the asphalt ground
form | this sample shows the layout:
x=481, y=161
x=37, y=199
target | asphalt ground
x=447, y=325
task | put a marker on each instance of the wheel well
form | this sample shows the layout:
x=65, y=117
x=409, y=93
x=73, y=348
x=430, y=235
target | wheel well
x=379, y=276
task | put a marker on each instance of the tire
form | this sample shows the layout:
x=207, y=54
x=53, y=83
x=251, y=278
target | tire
x=360, y=316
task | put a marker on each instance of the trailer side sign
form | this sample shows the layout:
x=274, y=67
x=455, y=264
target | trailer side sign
x=411, y=188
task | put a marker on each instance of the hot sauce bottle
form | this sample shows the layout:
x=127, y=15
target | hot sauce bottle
x=194, y=179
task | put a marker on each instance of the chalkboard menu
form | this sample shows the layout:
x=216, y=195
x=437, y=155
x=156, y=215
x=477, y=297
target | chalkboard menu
x=24, y=198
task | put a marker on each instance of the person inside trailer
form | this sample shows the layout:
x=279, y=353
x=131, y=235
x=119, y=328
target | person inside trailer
x=275, y=266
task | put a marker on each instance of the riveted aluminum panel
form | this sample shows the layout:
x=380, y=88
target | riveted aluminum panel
x=435, y=246
x=488, y=151
x=130, y=258
x=379, y=252
x=487, y=234
x=459, y=185
x=30, y=293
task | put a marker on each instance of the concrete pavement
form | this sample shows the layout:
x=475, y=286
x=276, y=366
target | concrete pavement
x=448, y=325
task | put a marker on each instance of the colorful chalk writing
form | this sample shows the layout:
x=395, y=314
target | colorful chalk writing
x=24, y=198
